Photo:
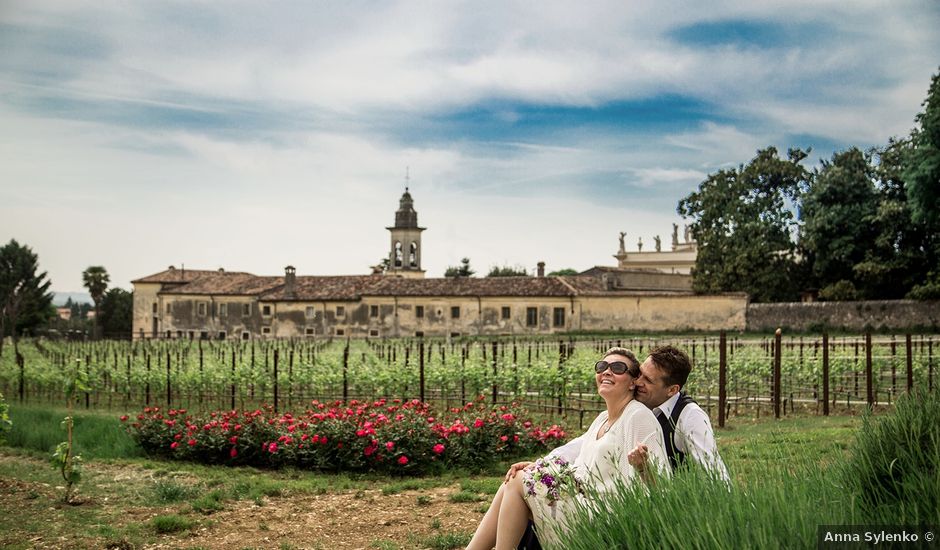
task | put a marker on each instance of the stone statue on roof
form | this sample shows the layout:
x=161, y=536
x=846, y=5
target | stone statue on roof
x=623, y=247
x=658, y=243
x=675, y=235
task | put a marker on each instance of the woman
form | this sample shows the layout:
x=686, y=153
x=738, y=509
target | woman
x=604, y=458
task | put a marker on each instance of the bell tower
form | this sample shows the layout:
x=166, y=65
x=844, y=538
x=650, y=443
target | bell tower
x=404, y=259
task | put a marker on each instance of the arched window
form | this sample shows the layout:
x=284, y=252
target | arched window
x=398, y=254
x=413, y=255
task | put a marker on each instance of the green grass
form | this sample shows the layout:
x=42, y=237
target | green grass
x=447, y=541
x=96, y=435
x=171, y=523
x=466, y=496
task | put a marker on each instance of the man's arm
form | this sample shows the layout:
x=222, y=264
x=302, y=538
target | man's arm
x=695, y=438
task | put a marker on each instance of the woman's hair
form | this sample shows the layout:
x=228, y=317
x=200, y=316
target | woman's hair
x=633, y=363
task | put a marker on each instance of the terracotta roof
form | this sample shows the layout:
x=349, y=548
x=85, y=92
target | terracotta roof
x=183, y=275
x=310, y=288
x=585, y=285
x=463, y=286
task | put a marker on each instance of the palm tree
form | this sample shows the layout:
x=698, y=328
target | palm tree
x=96, y=280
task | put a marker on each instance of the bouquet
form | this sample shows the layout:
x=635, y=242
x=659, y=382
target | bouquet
x=552, y=478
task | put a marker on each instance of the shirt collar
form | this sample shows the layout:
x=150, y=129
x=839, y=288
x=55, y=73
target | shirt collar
x=668, y=405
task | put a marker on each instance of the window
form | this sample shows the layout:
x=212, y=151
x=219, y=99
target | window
x=558, y=317
x=455, y=312
x=204, y=335
x=179, y=334
x=246, y=310
x=413, y=255
x=340, y=332
x=506, y=313
x=154, y=307
x=531, y=316
x=373, y=311
x=266, y=310
x=373, y=333
x=169, y=334
x=340, y=311
x=311, y=312
x=223, y=310
x=266, y=330
x=192, y=334
x=169, y=308
x=246, y=335
x=222, y=335
x=398, y=254
x=419, y=312
x=201, y=309
x=419, y=334
x=308, y=331
x=454, y=334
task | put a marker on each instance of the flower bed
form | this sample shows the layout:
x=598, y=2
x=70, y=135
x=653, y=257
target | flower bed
x=391, y=436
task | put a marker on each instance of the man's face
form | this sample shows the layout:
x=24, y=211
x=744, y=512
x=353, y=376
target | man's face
x=651, y=390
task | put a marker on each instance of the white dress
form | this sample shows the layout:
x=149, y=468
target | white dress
x=600, y=463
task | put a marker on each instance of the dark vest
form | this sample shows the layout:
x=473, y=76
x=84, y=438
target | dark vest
x=668, y=424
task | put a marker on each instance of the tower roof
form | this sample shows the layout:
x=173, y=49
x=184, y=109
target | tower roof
x=405, y=216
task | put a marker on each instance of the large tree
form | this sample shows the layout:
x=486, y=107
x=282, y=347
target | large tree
x=25, y=300
x=922, y=175
x=117, y=311
x=839, y=212
x=96, y=280
x=743, y=221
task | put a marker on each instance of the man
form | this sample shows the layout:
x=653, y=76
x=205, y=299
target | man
x=687, y=429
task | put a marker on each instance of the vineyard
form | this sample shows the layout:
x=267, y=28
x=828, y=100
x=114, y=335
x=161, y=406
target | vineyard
x=550, y=377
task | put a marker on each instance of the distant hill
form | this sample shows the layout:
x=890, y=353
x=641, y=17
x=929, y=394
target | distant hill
x=60, y=298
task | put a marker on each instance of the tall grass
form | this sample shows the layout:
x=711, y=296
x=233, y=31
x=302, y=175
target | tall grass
x=95, y=435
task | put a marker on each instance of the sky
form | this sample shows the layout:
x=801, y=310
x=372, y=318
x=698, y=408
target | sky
x=256, y=135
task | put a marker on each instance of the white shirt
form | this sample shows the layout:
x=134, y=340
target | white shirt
x=694, y=437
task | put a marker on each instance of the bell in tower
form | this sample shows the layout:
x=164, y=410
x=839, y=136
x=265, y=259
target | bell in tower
x=405, y=256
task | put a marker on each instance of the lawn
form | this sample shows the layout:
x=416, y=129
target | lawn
x=131, y=501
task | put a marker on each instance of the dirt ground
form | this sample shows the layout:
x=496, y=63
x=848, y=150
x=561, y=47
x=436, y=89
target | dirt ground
x=365, y=518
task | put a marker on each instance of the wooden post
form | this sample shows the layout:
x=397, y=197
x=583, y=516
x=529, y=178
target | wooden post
x=722, y=378
x=869, y=383
x=777, y=388
x=169, y=393
x=910, y=363
x=495, y=386
x=233, y=380
x=421, y=370
x=825, y=373
x=275, y=378
x=346, y=371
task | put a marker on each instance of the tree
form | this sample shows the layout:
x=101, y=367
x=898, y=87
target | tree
x=506, y=271
x=463, y=270
x=922, y=175
x=117, y=312
x=838, y=212
x=895, y=260
x=742, y=221
x=563, y=272
x=25, y=300
x=96, y=280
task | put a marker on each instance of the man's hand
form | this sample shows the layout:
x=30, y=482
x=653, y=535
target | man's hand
x=515, y=468
x=638, y=457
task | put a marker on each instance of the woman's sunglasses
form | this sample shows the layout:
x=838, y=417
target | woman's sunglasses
x=617, y=367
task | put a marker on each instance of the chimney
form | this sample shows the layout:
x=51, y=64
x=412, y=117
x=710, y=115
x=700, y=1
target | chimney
x=290, y=278
x=541, y=270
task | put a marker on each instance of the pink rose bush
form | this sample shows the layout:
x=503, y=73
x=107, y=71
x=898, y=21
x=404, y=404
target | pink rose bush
x=394, y=436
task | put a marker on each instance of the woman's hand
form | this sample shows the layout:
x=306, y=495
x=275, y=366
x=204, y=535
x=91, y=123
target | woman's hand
x=638, y=457
x=515, y=468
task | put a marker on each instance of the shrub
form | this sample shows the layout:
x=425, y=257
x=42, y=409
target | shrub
x=842, y=291
x=5, y=423
x=894, y=471
x=398, y=437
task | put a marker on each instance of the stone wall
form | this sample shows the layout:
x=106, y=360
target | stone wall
x=852, y=316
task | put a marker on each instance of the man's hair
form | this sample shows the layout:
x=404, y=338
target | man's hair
x=674, y=363
x=632, y=362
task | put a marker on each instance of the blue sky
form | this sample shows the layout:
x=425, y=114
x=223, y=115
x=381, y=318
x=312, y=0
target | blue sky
x=251, y=135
